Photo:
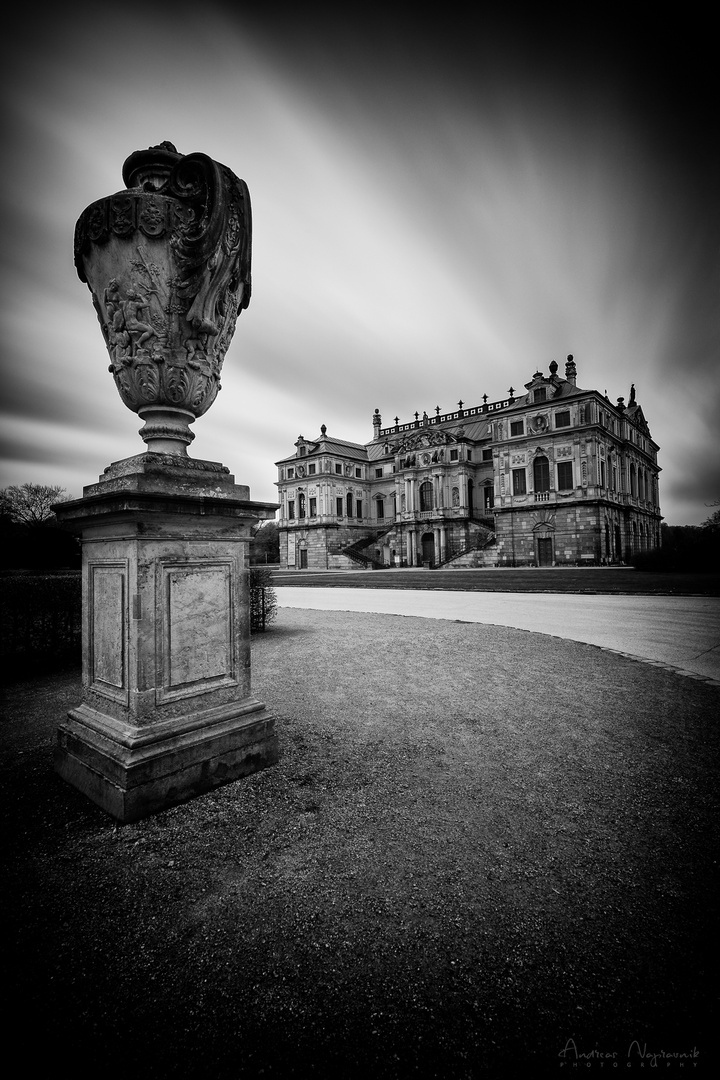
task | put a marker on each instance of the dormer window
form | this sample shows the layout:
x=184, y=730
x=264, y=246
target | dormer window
x=302, y=450
x=540, y=394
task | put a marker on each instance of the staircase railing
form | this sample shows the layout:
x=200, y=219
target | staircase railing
x=355, y=553
x=482, y=541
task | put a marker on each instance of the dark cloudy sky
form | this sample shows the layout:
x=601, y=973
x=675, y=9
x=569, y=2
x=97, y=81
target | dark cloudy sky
x=442, y=205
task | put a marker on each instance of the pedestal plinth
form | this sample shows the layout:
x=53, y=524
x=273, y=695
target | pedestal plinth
x=167, y=709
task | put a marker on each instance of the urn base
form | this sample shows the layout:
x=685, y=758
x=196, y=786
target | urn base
x=131, y=773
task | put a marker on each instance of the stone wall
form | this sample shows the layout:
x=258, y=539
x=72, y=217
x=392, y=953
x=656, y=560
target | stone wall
x=553, y=536
x=323, y=545
x=583, y=535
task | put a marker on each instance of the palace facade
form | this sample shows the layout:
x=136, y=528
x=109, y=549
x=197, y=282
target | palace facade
x=556, y=476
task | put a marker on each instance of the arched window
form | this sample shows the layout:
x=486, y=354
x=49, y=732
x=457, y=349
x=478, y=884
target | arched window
x=541, y=474
x=426, y=495
x=456, y=496
x=301, y=504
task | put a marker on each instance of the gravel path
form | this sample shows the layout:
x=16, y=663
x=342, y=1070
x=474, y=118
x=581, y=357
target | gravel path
x=481, y=846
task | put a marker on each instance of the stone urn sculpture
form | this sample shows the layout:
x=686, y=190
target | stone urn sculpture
x=167, y=261
x=167, y=709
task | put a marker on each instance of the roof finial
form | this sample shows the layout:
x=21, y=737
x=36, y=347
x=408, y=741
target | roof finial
x=570, y=370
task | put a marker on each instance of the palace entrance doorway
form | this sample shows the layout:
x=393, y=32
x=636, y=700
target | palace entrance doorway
x=544, y=551
x=428, y=548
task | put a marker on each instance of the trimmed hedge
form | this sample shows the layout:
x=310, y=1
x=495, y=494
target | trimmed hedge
x=41, y=618
x=263, y=599
x=40, y=621
x=685, y=548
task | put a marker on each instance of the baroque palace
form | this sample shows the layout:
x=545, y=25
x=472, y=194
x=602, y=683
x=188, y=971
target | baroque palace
x=556, y=476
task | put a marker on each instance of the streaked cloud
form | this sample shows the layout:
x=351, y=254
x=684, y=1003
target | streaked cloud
x=435, y=217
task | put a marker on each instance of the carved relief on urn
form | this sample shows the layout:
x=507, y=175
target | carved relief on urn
x=168, y=264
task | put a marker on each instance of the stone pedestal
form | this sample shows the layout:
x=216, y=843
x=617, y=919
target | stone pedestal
x=167, y=709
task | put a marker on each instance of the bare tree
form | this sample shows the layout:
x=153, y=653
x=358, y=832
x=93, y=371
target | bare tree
x=31, y=504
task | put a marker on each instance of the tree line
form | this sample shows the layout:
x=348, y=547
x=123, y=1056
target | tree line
x=32, y=539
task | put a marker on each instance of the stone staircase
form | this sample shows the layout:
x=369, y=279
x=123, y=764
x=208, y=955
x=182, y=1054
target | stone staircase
x=357, y=555
x=473, y=554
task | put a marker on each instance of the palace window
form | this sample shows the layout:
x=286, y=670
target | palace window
x=291, y=509
x=338, y=468
x=565, y=476
x=453, y=455
x=339, y=506
x=541, y=474
x=358, y=473
x=311, y=469
x=358, y=509
x=426, y=495
x=519, y=482
x=349, y=501
x=562, y=419
x=380, y=504
x=313, y=507
x=378, y=473
x=290, y=474
x=487, y=455
x=517, y=427
x=301, y=505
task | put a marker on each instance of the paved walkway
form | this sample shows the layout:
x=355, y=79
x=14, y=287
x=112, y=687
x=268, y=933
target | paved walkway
x=680, y=632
